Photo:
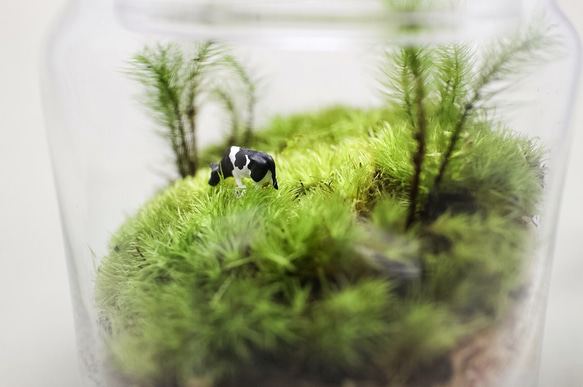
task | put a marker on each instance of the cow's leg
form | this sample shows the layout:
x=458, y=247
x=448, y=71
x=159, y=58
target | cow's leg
x=238, y=181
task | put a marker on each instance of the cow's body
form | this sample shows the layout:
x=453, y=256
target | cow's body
x=242, y=162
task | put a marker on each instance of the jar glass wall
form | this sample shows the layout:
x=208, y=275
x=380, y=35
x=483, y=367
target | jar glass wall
x=402, y=163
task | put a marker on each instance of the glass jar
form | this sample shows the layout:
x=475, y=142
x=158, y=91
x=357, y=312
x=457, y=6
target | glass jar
x=396, y=174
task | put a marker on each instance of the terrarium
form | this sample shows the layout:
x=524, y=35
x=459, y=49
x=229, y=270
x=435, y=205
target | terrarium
x=309, y=193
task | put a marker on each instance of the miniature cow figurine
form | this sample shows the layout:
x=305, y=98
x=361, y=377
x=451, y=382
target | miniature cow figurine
x=242, y=162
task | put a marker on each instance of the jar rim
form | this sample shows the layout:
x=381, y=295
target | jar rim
x=345, y=19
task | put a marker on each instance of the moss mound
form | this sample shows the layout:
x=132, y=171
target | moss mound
x=321, y=280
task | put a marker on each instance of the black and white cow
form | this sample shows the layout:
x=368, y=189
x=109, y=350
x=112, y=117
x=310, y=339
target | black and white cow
x=242, y=162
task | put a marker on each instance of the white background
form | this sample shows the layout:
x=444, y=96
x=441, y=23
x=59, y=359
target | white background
x=37, y=347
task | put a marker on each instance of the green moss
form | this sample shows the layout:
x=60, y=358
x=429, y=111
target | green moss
x=483, y=167
x=203, y=283
x=396, y=233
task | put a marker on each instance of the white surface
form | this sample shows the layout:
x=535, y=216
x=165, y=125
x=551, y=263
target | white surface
x=36, y=328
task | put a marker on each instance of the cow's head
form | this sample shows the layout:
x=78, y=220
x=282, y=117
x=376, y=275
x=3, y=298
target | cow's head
x=215, y=177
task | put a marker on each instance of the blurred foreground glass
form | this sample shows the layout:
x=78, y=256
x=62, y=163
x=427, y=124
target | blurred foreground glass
x=419, y=150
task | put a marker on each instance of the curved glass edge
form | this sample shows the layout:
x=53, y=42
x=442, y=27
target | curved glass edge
x=346, y=20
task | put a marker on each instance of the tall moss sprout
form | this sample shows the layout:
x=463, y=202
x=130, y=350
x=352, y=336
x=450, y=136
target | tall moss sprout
x=177, y=82
x=397, y=233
